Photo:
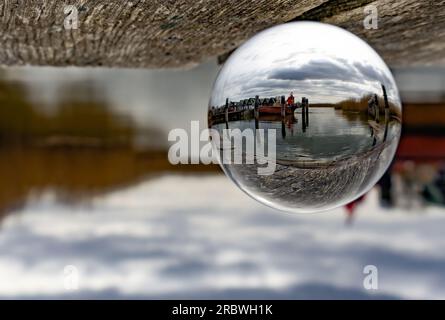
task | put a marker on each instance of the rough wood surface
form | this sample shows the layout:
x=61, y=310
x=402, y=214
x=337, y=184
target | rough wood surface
x=410, y=32
x=177, y=33
x=150, y=33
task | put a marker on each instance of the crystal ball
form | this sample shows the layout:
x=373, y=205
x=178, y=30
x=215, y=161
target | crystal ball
x=305, y=117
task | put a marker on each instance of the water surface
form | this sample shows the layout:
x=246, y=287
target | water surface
x=330, y=134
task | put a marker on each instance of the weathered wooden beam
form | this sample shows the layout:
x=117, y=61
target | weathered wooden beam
x=410, y=32
x=139, y=33
x=177, y=33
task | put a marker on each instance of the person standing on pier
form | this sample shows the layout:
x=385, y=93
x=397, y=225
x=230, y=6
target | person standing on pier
x=291, y=100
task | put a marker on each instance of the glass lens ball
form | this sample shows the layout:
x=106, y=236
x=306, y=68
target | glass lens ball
x=305, y=116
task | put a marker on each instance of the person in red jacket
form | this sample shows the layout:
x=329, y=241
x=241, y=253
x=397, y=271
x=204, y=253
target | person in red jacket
x=291, y=100
x=350, y=209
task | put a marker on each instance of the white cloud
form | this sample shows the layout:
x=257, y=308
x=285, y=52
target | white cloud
x=138, y=243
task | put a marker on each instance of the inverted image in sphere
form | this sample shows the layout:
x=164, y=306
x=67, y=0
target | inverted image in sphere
x=317, y=100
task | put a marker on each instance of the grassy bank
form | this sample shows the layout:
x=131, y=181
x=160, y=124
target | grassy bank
x=359, y=105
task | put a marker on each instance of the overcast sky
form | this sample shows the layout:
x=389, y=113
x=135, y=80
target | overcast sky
x=323, y=63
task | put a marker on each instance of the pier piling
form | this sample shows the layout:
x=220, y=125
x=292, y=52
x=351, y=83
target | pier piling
x=283, y=106
x=226, y=110
x=385, y=98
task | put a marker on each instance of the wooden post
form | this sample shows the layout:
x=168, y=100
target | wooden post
x=303, y=114
x=385, y=97
x=283, y=106
x=283, y=129
x=226, y=110
x=307, y=111
x=256, y=112
x=257, y=107
x=377, y=108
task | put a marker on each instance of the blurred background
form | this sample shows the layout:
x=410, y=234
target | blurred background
x=85, y=182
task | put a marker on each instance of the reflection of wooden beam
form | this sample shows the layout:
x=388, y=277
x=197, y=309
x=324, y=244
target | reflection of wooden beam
x=385, y=97
x=374, y=125
x=157, y=33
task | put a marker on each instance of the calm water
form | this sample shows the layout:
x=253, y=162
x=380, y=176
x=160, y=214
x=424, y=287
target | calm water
x=330, y=134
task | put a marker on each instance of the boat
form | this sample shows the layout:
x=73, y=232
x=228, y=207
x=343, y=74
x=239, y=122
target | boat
x=264, y=109
x=273, y=106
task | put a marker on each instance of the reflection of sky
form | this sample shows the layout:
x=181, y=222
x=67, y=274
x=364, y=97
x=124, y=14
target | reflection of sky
x=139, y=243
x=324, y=64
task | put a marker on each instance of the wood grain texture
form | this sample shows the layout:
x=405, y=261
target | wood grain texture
x=150, y=33
x=410, y=32
x=178, y=33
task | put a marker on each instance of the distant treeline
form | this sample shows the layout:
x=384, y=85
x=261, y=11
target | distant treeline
x=72, y=122
x=79, y=150
x=359, y=105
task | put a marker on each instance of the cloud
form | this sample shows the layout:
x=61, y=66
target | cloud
x=322, y=80
x=371, y=73
x=135, y=243
x=325, y=69
x=317, y=70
